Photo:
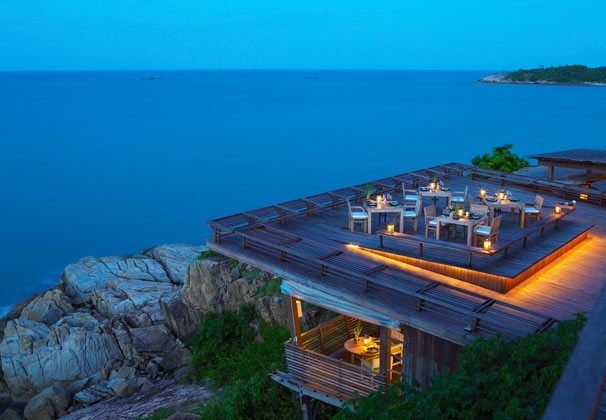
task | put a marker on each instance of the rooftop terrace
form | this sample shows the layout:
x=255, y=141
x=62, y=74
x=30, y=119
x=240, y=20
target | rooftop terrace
x=557, y=271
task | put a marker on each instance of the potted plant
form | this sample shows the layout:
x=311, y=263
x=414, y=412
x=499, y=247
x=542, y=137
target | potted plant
x=368, y=191
x=357, y=331
x=455, y=211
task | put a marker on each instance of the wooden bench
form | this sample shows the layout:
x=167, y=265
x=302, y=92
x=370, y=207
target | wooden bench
x=539, y=226
x=421, y=241
x=520, y=236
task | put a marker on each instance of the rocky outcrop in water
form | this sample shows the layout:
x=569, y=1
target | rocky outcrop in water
x=114, y=326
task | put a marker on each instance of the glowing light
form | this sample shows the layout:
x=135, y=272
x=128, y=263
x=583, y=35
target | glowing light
x=584, y=196
x=487, y=244
x=557, y=209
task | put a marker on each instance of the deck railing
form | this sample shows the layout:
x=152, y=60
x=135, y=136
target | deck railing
x=334, y=377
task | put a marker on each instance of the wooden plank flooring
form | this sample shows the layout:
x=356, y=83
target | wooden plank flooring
x=559, y=289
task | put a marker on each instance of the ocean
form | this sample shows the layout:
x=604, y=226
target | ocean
x=113, y=162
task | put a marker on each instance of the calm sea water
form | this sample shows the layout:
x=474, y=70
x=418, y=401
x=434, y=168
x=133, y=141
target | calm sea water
x=110, y=163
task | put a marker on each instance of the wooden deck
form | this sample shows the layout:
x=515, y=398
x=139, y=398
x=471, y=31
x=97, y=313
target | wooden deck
x=586, y=159
x=560, y=271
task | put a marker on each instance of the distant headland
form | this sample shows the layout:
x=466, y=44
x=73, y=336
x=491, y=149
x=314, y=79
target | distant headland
x=560, y=75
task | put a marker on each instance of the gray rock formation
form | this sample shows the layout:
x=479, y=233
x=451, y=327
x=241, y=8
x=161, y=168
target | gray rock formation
x=115, y=325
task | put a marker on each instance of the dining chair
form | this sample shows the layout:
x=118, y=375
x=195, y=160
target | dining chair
x=395, y=355
x=479, y=209
x=458, y=197
x=370, y=364
x=470, y=200
x=431, y=221
x=413, y=215
x=533, y=211
x=483, y=232
x=410, y=197
x=357, y=214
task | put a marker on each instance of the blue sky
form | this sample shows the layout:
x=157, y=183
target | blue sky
x=309, y=34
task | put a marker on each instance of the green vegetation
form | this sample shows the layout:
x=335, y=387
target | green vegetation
x=576, y=74
x=237, y=351
x=501, y=160
x=496, y=378
x=159, y=414
x=213, y=254
x=272, y=288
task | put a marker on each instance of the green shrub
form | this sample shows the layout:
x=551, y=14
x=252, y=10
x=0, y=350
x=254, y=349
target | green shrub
x=501, y=160
x=237, y=357
x=272, y=288
x=496, y=378
x=209, y=253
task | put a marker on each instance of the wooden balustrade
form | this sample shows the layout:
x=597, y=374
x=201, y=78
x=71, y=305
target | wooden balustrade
x=334, y=377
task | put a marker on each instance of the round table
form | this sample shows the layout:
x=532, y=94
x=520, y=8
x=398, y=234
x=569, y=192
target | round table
x=357, y=348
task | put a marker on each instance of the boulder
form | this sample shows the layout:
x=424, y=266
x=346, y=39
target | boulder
x=93, y=394
x=48, y=308
x=156, y=338
x=123, y=388
x=135, y=300
x=211, y=286
x=10, y=414
x=272, y=309
x=177, y=316
x=175, y=258
x=35, y=356
x=49, y=404
x=88, y=274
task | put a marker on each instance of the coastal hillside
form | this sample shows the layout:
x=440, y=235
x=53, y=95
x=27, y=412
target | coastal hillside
x=569, y=75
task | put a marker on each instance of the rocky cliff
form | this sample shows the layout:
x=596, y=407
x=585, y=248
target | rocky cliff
x=115, y=326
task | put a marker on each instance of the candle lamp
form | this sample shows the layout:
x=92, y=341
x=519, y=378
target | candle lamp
x=391, y=228
x=557, y=209
x=460, y=213
x=432, y=186
x=483, y=192
x=487, y=244
x=501, y=195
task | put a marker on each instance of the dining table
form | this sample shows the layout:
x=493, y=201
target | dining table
x=494, y=203
x=468, y=221
x=357, y=348
x=435, y=194
x=394, y=207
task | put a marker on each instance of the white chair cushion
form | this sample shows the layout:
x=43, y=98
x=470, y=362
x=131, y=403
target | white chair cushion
x=433, y=222
x=531, y=210
x=457, y=198
x=482, y=230
x=359, y=215
x=411, y=197
x=409, y=213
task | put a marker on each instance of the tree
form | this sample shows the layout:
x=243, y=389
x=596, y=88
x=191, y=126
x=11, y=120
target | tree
x=501, y=160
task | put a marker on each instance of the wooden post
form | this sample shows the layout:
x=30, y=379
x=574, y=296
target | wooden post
x=384, y=353
x=293, y=322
